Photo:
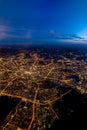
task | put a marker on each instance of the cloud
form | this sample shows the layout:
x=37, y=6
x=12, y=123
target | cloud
x=28, y=35
x=71, y=36
x=4, y=31
x=4, y=28
x=8, y=32
x=65, y=36
x=52, y=32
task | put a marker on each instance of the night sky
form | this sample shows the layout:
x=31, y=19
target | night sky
x=43, y=20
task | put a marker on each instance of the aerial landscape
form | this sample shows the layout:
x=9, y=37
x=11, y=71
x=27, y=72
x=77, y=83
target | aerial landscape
x=43, y=64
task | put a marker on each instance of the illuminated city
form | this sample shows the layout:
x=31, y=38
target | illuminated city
x=36, y=82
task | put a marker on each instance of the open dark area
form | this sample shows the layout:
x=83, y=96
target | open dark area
x=73, y=111
x=6, y=105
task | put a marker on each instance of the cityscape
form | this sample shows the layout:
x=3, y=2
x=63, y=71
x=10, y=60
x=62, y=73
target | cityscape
x=35, y=83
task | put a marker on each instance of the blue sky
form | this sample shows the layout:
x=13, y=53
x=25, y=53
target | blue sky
x=43, y=20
